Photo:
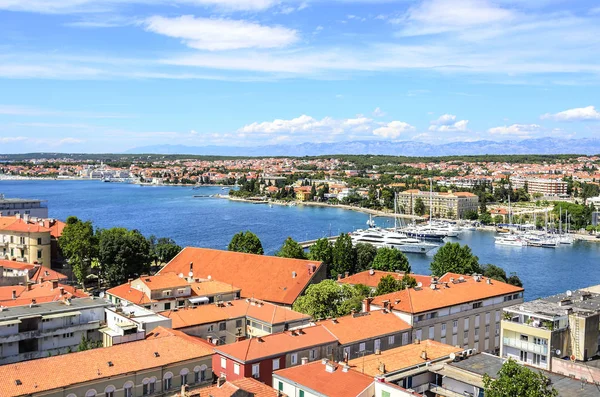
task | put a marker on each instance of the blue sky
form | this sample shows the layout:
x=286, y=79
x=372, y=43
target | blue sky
x=110, y=75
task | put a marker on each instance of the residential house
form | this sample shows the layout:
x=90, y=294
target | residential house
x=371, y=278
x=130, y=323
x=245, y=387
x=543, y=331
x=288, y=278
x=259, y=357
x=31, y=207
x=47, y=291
x=39, y=330
x=228, y=322
x=15, y=273
x=359, y=334
x=167, y=290
x=157, y=366
x=25, y=240
x=459, y=310
x=443, y=204
x=323, y=378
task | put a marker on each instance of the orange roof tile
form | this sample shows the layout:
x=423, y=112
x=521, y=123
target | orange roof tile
x=254, y=349
x=41, y=375
x=228, y=389
x=46, y=274
x=212, y=287
x=248, y=272
x=372, y=280
x=162, y=281
x=362, y=326
x=15, y=224
x=332, y=384
x=206, y=314
x=130, y=294
x=5, y=263
x=43, y=292
x=402, y=357
x=424, y=299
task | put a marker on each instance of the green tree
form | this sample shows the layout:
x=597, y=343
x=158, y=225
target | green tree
x=344, y=255
x=498, y=219
x=164, y=249
x=365, y=253
x=329, y=299
x=390, y=260
x=471, y=215
x=291, y=249
x=246, y=242
x=419, y=206
x=79, y=246
x=494, y=272
x=321, y=251
x=387, y=285
x=513, y=279
x=515, y=380
x=123, y=254
x=454, y=258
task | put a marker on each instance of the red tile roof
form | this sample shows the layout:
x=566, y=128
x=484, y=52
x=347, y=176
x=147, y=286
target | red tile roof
x=43, y=292
x=46, y=274
x=249, y=272
x=332, y=384
x=362, y=326
x=206, y=314
x=229, y=388
x=14, y=224
x=254, y=349
x=58, y=372
x=418, y=300
x=163, y=281
x=130, y=294
x=372, y=280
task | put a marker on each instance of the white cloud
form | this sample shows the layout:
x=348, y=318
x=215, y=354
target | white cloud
x=221, y=34
x=16, y=110
x=517, y=130
x=576, y=114
x=378, y=112
x=393, y=129
x=12, y=139
x=448, y=123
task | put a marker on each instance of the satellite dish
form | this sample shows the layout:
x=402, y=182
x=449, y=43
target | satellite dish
x=558, y=352
x=569, y=293
x=180, y=275
x=419, y=284
x=452, y=356
x=101, y=295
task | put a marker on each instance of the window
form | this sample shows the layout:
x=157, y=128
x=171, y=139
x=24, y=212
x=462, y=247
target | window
x=91, y=393
x=487, y=330
x=476, y=331
x=183, y=379
x=431, y=332
x=418, y=334
x=223, y=362
x=405, y=338
x=362, y=347
x=148, y=388
x=477, y=305
x=128, y=389
x=236, y=368
x=497, y=316
x=443, y=327
x=466, y=334
x=312, y=354
x=301, y=393
x=168, y=306
x=280, y=386
x=523, y=356
x=385, y=393
x=443, y=339
x=487, y=318
x=238, y=323
x=391, y=339
x=109, y=391
x=454, y=340
x=294, y=359
x=167, y=383
x=454, y=325
x=67, y=335
x=275, y=364
x=255, y=370
x=467, y=323
x=497, y=329
x=222, y=326
x=377, y=344
x=524, y=338
x=211, y=328
x=39, y=241
x=39, y=254
x=477, y=320
x=167, y=293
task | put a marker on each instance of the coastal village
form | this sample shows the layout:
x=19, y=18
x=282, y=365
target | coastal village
x=205, y=322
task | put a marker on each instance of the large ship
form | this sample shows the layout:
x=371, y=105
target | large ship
x=391, y=239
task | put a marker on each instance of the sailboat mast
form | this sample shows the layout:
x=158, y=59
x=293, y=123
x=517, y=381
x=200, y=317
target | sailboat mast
x=430, y=201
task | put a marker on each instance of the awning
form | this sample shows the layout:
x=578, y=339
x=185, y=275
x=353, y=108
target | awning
x=58, y=315
x=199, y=299
x=9, y=322
x=126, y=326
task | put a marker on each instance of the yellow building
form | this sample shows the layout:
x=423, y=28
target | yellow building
x=24, y=239
x=444, y=204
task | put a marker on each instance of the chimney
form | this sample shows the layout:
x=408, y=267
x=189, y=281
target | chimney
x=294, y=274
x=304, y=360
x=371, y=272
x=41, y=280
x=62, y=291
x=129, y=280
x=345, y=368
x=28, y=286
x=330, y=367
x=221, y=381
x=382, y=368
x=240, y=338
x=54, y=284
x=183, y=390
x=346, y=274
x=489, y=281
x=367, y=305
x=424, y=355
x=339, y=276
x=14, y=294
x=386, y=304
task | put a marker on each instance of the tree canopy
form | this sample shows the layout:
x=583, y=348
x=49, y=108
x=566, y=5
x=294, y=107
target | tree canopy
x=163, y=249
x=389, y=284
x=246, y=242
x=291, y=249
x=515, y=380
x=330, y=299
x=123, y=254
x=79, y=246
x=344, y=255
x=454, y=258
x=365, y=253
x=321, y=251
x=390, y=260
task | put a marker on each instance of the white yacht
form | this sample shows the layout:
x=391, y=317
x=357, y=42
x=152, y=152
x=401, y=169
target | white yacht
x=373, y=236
x=510, y=240
x=383, y=238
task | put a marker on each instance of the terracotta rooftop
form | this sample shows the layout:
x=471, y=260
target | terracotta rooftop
x=206, y=314
x=402, y=357
x=449, y=291
x=45, y=374
x=362, y=326
x=14, y=224
x=273, y=345
x=371, y=278
x=212, y=287
x=229, y=388
x=162, y=281
x=315, y=377
x=287, y=278
x=130, y=294
x=46, y=274
x=47, y=291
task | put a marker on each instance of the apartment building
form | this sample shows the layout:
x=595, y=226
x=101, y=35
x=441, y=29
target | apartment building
x=31, y=294
x=228, y=322
x=31, y=207
x=459, y=310
x=167, y=291
x=444, y=204
x=41, y=330
x=25, y=240
x=15, y=273
x=287, y=278
x=546, y=187
x=360, y=334
x=130, y=323
x=564, y=325
x=259, y=357
x=158, y=366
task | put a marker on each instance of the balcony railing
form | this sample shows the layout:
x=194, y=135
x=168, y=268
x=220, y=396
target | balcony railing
x=526, y=346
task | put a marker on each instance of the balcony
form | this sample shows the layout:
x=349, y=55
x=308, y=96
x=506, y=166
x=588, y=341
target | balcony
x=526, y=346
x=34, y=334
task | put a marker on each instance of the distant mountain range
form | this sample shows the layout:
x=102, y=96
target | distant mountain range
x=587, y=146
